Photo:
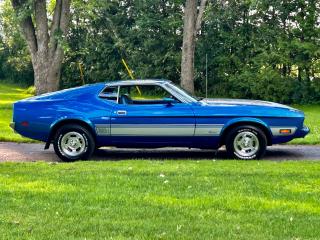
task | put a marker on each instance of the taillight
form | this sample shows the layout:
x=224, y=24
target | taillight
x=25, y=124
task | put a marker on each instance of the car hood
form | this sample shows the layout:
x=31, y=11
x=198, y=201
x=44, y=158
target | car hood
x=243, y=102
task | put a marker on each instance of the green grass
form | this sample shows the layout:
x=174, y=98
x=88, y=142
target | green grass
x=160, y=200
x=10, y=93
x=312, y=113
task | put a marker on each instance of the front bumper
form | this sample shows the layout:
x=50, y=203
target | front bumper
x=301, y=133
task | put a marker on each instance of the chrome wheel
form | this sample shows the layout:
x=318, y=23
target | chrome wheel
x=246, y=144
x=73, y=144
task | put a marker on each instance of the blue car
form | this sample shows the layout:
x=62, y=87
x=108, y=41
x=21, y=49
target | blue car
x=152, y=114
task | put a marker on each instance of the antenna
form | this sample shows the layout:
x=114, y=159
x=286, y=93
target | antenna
x=206, y=75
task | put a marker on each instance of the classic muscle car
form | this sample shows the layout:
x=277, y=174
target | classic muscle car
x=152, y=114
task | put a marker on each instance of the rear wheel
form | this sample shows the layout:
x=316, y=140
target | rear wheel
x=246, y=142
x=73, y=142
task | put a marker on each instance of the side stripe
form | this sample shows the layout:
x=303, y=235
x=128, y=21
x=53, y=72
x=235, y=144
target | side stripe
x=208, y=129
x=173, y=130
x=103, y=129
x=152, y=130
x=159, y=129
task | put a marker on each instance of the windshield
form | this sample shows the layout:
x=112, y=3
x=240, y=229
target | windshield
x=182, y=93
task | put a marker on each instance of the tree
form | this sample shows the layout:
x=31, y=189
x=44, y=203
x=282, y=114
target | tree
x=44, y=41
x=192, y=25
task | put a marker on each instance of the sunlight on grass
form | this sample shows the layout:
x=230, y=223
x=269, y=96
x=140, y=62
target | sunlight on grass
x=20, y=185
x=262, y=204
x=168, y=199
x=10, y=93
x=312, y=113
x=303, y=188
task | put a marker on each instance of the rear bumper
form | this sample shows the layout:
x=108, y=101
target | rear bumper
x=12, y=125
x=301, y=133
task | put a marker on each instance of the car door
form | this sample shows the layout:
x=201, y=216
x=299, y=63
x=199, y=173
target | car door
x=151, y=121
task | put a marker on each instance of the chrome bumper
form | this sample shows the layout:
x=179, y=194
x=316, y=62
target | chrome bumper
x=12, y=125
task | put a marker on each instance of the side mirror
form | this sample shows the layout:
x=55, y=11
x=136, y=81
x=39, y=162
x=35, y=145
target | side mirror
x=168, y=101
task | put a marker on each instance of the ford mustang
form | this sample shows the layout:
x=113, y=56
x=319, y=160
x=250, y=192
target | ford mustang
x=152, y=114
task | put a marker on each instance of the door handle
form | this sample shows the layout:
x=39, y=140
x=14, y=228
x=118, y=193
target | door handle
x=122, y=112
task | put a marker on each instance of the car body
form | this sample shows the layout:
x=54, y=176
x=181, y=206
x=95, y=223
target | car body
x=116, y=114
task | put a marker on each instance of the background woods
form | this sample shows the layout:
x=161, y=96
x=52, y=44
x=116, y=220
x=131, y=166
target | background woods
x=256, y=49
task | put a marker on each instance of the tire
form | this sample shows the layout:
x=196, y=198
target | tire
x=246, y=143
x=73, y=142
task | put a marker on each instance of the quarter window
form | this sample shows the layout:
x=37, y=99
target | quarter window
x=110, y=93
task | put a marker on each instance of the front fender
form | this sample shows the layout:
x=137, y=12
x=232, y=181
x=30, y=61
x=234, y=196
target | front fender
x=246, y=120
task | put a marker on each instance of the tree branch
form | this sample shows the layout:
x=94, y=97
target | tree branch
x=65, y=17
x=26, y=26
x=55, y=26
x=61, y=22
x=200, y=15
x=41, y=20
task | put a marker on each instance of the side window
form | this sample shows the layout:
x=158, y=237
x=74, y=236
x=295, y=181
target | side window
x=110, y=93
x=148, y=92
x=143, y=94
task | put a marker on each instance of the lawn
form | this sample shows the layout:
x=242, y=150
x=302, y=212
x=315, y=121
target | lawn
x=10, y=93
x=145, y=199
x=312, y=113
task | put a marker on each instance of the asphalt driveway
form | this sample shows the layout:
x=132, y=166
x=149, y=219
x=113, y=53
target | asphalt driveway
x=24, y=152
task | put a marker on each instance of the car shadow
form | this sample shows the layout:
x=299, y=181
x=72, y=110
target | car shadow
x=117, y=154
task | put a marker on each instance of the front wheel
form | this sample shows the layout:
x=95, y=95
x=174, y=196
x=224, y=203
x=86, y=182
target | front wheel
x=73, y=142
x=246, y=142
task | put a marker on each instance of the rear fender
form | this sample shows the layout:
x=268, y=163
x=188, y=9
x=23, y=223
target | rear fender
x=69, y=120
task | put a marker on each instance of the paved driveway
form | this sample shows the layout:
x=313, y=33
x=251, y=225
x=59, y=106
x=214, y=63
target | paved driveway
x=23, y=152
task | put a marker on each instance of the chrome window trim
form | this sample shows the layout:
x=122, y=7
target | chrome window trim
x=118, y=94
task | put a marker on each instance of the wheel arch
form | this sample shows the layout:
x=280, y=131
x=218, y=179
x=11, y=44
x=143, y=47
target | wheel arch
x=242, y=122
x=56, y=125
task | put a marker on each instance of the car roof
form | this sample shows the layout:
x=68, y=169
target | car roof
x=137, y=82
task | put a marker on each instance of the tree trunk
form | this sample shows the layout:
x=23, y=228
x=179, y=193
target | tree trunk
x=46, y=52
x=192, y=24
x=46, y=75
x=188, y=46
x=40, y=76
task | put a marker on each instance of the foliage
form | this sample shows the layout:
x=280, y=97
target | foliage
x=256, y=49
x=141, y=199
x=15, y=61
x=263, y=49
